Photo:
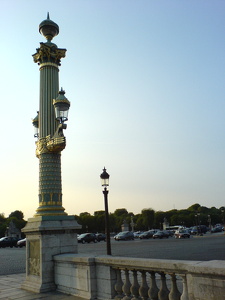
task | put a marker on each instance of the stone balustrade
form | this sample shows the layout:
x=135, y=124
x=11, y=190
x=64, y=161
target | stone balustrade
x=108, y=277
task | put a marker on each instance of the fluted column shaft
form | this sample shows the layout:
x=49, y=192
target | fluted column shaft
x=49, y=87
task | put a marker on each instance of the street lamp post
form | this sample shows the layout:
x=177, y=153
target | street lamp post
x=210, y=226
x=222, y=210
x=132, y=224
x=51, y=230
x=198, y=223
x=49, y=123
x=105, y=182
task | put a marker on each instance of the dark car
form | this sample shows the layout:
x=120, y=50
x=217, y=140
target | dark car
x=124, y=236
x=100, y=237
x=170, y=232
x=194, y=230
x=22, y=243
x=8, y=241
x=87, y=238
x=160, y=235
x=217, y=229
x=182, y=233
x=199, y=230
x=147, y=234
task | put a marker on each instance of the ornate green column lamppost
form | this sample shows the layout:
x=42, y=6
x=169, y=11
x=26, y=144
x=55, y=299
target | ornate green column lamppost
x=105, y=182
x=51, y=140
x=51, y=231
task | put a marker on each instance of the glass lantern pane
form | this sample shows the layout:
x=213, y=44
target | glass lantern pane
x=105, y=182
x=61, y=114
x=36, y=132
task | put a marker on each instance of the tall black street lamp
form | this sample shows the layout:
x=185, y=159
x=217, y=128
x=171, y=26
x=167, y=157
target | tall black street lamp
x=105, y=182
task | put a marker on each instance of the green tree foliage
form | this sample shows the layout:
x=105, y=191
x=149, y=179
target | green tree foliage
x=159, y=218
x=17, y=214
x=120, y=212
x=18, y=219
x=100, y=221
x=194, y=207
x=112, y=223
x=99, y=213
x=87, y=221
x=121, y=215
x=3, y=225
x=148, y=216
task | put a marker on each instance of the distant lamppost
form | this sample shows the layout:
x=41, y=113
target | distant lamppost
x=210, y=226
x=132, y=224
x=198, y=222
x=105, y=182
x=222, y=210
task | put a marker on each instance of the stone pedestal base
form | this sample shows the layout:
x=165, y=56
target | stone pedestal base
x=47, y=236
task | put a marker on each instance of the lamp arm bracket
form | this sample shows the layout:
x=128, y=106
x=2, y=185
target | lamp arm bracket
x=54, y=144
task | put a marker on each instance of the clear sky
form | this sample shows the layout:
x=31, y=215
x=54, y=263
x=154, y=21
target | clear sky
x=146, y=81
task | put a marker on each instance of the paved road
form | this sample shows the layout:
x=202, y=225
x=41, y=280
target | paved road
x=208, y=247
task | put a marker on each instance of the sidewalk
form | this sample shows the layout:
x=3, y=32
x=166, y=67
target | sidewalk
x=10, y=289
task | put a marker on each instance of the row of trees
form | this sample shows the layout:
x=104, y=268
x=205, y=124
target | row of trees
x=149, y=218
x=16, y=217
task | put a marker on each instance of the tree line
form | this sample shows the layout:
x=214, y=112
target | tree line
x=149, y=218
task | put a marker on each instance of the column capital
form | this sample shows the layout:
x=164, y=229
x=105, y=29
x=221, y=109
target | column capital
x=49, y=53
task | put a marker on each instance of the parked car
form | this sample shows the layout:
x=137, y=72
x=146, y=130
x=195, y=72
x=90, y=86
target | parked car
x=170, y=232
x=217, y=229
x=100, y=237
x=87, y=238
x=194, y=230
x=137, y=234
x=8, y=241
x=182, y=233
x=147, y=234
x=22, y=243
x=199, y=230
x=160, y=235
x=124, y=235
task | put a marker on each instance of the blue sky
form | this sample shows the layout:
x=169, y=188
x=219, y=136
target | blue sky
x=146, y=85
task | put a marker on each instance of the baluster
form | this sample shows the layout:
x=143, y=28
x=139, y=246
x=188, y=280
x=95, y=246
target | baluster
x=126, y=286
x=135, y=286
x=163, y=292
x=118, y=285
x=184, y=295
x=143, y=290
x=153, y=291
x=174, y=292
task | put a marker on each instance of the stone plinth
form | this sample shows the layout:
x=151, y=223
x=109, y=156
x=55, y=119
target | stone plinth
x=125, y=226
x=47, y=236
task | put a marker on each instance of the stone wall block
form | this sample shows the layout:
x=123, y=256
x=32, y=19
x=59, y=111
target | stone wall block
x=105, y=281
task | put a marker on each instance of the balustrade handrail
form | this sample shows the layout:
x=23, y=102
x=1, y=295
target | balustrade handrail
x=139, y=278
x=213, y=267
